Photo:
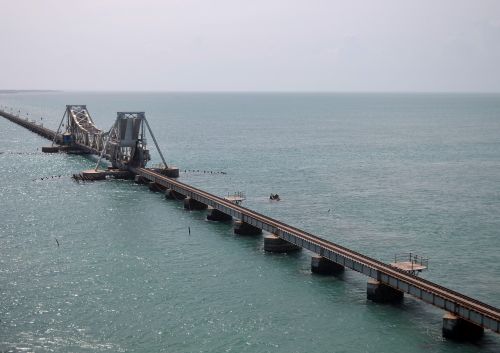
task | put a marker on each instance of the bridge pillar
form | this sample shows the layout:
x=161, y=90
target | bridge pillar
x=155, y=187
x=219, y=216
x=92, y=174
x=173, y=195
x=321, y=265
x=273, y=243
x=192, y=204
x=139, y=179
x=50, y=149
x=458, y=329
x=243, y=228
x=381, y=293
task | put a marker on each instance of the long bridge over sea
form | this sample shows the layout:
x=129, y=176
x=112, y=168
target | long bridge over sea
x=124, y=147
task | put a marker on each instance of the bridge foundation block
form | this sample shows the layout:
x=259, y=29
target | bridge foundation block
x=118, y=174
x=92, y=174
x=323, y=266
x=218, y=216
x=273, y=243
x=243, y=228
x=458, y=329
x=381, y=293
x=139, y=180
x=50, y=149
x=173, y=195
x=192, y=204
x=155, y=187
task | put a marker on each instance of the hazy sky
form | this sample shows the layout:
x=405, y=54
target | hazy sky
x=271, y=45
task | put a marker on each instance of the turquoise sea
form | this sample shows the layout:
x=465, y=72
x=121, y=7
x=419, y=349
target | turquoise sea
x=398, y=172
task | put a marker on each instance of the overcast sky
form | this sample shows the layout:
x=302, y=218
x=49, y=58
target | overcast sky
x=232, y=45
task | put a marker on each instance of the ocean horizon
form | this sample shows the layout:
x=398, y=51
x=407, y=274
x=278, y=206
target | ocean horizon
x=380, y=173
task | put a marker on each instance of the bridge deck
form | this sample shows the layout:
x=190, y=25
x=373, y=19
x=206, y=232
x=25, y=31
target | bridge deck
x=32, y=126
x=461, y=305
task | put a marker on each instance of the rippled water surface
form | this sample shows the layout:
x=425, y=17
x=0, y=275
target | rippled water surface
x=381, y=174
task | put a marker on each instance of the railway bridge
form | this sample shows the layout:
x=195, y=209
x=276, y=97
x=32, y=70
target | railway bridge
x=124, y=146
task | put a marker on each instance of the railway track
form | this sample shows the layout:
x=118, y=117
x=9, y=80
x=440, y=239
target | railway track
x=447, y=294
x=465, y=307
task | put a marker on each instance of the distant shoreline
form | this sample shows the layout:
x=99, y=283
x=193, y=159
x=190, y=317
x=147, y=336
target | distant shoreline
x=8, y=91
x=237, y=92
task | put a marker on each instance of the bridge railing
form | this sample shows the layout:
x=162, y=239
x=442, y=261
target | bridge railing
x=461, y=305
x=412, y=258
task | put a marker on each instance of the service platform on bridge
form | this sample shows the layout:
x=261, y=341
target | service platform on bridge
x=410, y=262
x=408, y=266
x=236, y=198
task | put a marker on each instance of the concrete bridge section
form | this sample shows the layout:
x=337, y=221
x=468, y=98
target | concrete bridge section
x=32, y=126
x=388, y=282
x=465, y=317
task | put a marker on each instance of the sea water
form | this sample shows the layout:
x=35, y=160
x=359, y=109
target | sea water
x=111, y=267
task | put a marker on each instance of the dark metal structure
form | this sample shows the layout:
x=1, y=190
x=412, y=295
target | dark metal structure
x=124, y=145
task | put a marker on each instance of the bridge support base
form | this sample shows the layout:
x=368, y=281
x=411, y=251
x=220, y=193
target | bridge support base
x=94, y=175
x=192, y=204
x=139, y=180
x=171, y=172
x=173, y=195
x=50, y=149
x=380, y=293
x=323, y=266
x=155, y=187
x=458, y=329
x=273, y=243
x=243, y=228
x=219, y=216
x=118, y=174
x=68, y=149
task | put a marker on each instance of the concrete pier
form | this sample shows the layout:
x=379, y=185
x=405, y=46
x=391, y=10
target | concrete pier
x=92, y=174
x=243, y=228
x=50, y=149
x=140, y=180
x=173, y=195
x=323, y=266
x=155, y=187
x=118, y=173
x=458, y=329
x=218, y=216
x=381, y=293
x=67, y=149
x=273, y=243
x=192, y=204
